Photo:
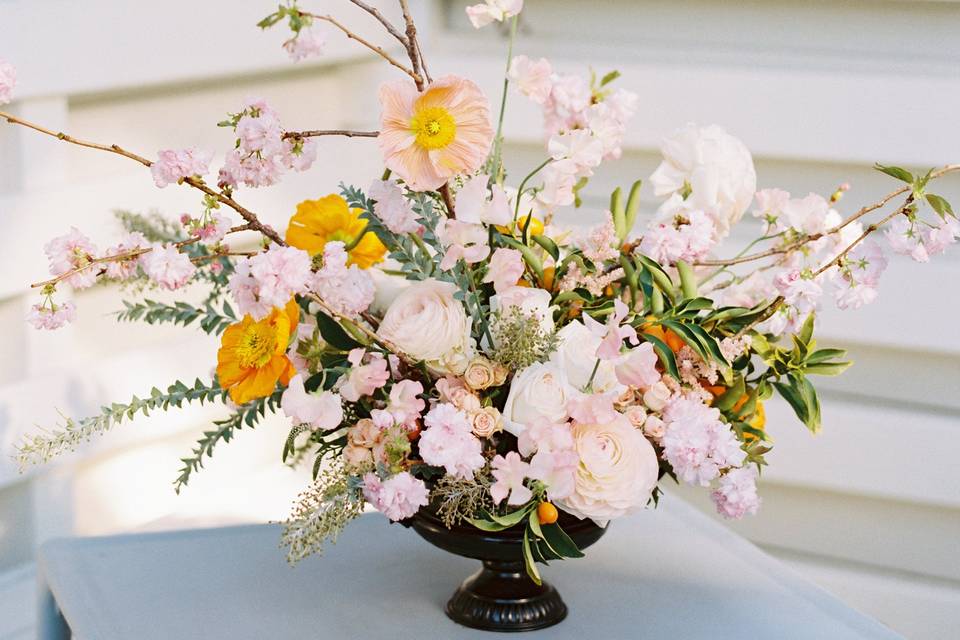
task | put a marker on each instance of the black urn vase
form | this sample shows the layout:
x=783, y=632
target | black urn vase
x=500, y=596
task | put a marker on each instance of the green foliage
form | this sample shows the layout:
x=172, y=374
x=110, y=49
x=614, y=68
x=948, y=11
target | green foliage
x=42, y=447
x=246, y=415
x=895, y=172
x=154, y=226
x=418, y=262
x=940, y=205
x=212, y=320
x=788, y=368
x=321, y=513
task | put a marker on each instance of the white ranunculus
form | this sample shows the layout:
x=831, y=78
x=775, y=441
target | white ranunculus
x=539, y=391
x=715, y=166
x=576, y=354
x=617, y=472
x=427, y=323
x=387, y=286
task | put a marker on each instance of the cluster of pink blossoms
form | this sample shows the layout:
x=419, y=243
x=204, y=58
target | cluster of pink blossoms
x=448, y=441
x=307, y=43
x=349, y=290
x=269, y=279
x=393, y=208
x=51, y=316
x=465, y=237
x=398, y=497
x=696, y=442
x=8, y=81
x=174, y=165
x=262, y=155
x=493, y=11
x=583, y=125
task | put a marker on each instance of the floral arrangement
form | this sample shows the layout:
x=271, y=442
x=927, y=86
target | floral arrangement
x=439, y=342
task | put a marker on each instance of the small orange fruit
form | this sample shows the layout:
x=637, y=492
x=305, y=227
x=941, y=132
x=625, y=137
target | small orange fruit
x=547, y=513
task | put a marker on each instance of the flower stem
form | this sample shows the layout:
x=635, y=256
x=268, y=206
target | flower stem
x=523, y=184
x=593, y=374
x=497, y=166
x=484, y=328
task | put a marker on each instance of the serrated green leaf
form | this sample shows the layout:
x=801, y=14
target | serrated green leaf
x=940, y=205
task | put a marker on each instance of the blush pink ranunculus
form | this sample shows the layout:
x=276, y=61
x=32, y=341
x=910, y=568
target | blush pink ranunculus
x=428, y=137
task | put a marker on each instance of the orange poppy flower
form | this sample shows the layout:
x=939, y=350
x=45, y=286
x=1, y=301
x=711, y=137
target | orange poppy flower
x=329, y=219
x=252, y=356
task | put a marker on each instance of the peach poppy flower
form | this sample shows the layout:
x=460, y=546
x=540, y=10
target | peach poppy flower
x=427, y=138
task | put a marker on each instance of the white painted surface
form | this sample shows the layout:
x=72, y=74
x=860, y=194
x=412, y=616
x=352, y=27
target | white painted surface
x=818, y=90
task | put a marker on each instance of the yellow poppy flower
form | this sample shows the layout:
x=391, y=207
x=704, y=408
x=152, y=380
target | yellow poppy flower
x=328, y=219
x=252, y=356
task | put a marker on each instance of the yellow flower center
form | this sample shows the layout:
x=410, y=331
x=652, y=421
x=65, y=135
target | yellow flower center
x=256, y=345
x=434, y=127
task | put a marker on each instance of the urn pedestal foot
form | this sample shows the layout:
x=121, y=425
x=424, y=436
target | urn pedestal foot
x=502, y=597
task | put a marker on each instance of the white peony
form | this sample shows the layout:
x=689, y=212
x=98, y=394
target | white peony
x=715, y=166
x=539, y=391
x=576, y=354
x=427, y=323
x=617, y=473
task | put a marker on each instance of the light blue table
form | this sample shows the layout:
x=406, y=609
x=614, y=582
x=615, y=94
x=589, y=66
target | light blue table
x=665, y=574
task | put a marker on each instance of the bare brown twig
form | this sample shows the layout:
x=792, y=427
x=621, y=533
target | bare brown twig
x=369, y=45
x=413, y=48
x=380, y=17
x=314, y=133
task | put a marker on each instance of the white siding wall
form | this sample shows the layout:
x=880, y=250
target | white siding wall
x=818, y=90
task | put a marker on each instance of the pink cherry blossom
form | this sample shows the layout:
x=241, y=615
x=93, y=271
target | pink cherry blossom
x=174, y=165
x=638, y=367
x=448, y=441
x=736, y=493
x=857, y=284
x=322, y=410
x=260, y=133
x=696, y=442
x=532, y=77
x=52, y=316
x=493, y=10
x=299, y=154
x=123, y=269
x=167, y=266
x=937, y=240
x=348, y=290
x=810, y=215
x=70, y=251
x=462, y=240
x=472, y=205
x=394, y=210
x=679, y=232
x=510, y=472
x=405, y=404
x=270, y=279
x=770, y=204
x=8, y=81
x=306, y=44
x=505, y=268
x=906, y=238
x=363, y=379
x=250, y=170
x=798, y=290
x=398, y=497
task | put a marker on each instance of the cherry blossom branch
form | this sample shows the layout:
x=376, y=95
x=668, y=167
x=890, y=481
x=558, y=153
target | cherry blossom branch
x=380, y=17
x=222, y=197
x=415, y=74
x=835, y=261
x=136, y=253
x=816, y=236
x=315, y=133
x=413, y=47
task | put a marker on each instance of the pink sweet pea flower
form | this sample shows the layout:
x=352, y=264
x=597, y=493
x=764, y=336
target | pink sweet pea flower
x=612, y=334
x=405, y=405
x=638, y=367
x=510, y=472
x=462, y=240
x=364, y=379
x=322, y=410
x=483, y=14
x=472, y=205
x=533, y=78
x=506, y=267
